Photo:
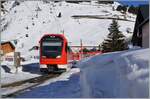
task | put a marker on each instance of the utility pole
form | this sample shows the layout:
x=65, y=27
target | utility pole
x=1, y=52
x=16, y=60
x=81, y=49
x=63, y=32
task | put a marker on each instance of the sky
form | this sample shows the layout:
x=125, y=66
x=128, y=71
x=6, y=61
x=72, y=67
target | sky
x=133, y=2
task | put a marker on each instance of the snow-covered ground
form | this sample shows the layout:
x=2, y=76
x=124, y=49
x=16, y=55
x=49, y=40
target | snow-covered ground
x=118, y=74
x=36, y=18
x=67, y=85
x=26, y=23
x=126, y=75
x=9, y=75
x=28, y=69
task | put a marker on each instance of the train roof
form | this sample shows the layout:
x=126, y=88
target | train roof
x=52, y=34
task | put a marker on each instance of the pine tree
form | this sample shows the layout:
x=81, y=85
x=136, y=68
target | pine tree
x=119, y=8
x=115, y=40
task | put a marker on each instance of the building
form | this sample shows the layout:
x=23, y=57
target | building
x=7, y=47
x=141, y=30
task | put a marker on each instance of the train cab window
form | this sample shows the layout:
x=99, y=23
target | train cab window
x=52, y=48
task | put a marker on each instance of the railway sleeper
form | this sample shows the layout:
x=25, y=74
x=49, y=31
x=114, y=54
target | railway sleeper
x=35, y=81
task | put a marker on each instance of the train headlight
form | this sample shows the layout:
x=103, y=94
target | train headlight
x=43, y=66
x=58, y=56
x=43, y=56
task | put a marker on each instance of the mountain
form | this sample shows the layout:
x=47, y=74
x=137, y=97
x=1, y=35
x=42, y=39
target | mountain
x=25, y=22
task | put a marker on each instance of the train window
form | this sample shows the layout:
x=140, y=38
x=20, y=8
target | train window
x=51, y=46
x=51, y=38
x=52, y=43
x=51, y=51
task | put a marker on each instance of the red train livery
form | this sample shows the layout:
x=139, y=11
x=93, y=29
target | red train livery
x=53, y=52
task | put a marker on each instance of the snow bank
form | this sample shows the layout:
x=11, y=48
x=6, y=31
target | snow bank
x=7, y=78
x=119, y=74
x=28, y=69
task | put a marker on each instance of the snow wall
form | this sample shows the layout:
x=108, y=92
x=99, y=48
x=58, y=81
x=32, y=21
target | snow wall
x=118, y=74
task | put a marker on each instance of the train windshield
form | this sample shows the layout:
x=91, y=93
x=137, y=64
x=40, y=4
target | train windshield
x=52, y=47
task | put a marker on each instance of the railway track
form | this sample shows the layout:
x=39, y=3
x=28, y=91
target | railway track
x=13, y=89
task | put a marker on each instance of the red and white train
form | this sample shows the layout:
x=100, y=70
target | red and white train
x=53, y=52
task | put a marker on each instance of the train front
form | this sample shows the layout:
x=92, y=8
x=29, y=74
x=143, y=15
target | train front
x=53, y=52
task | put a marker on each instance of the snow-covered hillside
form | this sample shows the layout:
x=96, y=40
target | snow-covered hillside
x=29, y=20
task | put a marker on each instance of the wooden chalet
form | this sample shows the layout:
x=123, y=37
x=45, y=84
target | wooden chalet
x=7, y=47
x=141, y=30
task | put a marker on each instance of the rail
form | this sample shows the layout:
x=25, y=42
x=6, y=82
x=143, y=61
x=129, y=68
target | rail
x=20, y=86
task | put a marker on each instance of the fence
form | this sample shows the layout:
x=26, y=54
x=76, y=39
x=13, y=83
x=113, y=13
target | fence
x=79, y=55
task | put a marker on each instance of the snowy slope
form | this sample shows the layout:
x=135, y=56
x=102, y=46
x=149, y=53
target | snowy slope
x=118, y=75
x=35, y=18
